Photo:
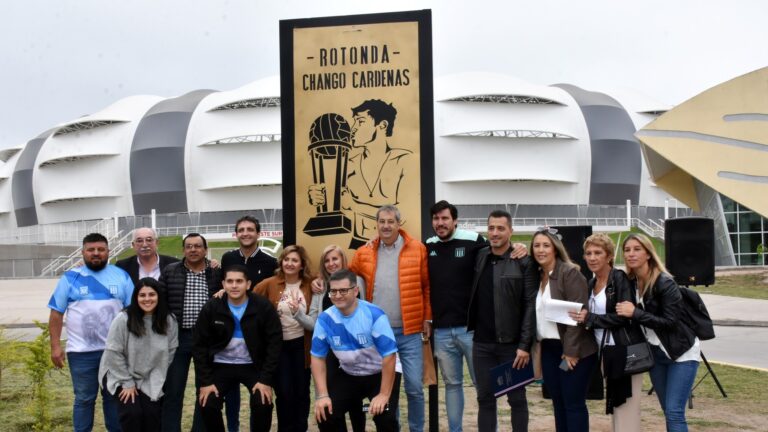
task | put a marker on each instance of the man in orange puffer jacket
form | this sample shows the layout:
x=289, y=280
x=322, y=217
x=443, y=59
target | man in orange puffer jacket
x=394, y=268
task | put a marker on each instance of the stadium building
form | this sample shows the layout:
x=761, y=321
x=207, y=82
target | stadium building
x=545, y=153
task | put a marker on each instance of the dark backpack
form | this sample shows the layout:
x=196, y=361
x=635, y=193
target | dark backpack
x=695, y=314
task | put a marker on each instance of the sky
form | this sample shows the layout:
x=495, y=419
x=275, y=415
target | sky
x=62, y=59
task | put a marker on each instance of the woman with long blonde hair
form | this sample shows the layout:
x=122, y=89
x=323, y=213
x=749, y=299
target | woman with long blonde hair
x=675, y=347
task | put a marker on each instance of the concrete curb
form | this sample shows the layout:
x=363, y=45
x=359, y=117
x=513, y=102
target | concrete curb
x=739, y=323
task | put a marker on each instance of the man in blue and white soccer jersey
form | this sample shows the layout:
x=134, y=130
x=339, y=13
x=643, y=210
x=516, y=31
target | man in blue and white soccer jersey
x=91, y=295
x=360, y=336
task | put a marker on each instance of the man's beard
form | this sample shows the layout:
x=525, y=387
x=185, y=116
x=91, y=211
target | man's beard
x=96, y=267
x=448, y=236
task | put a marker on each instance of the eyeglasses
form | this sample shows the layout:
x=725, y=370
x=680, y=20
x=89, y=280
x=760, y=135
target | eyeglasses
x=340, y=291
x=550, y=230
x=193, y=246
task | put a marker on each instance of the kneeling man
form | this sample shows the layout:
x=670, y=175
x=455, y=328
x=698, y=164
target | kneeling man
x=237, y=341
x=360, y=336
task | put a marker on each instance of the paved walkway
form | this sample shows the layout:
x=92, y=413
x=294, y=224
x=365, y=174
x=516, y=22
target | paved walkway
x=742, y=324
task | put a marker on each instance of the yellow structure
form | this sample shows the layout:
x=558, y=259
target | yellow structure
x=718, y=138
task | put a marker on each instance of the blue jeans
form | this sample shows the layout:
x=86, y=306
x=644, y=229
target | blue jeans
x=84, y=368
x=409, y=349
x=672, y=382
x=451, y=345
x=568, y=389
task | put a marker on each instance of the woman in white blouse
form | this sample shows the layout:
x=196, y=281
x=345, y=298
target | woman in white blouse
x=613, y=333
x=568, y=353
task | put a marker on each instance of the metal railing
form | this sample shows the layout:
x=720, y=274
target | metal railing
x=649, y=226
x=208, y=229
x=63, y=263
x=66, y=233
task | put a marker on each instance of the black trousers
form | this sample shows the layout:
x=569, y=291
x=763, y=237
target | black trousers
x=143, y=415
x=356, y=414
x=292, y=387
x=347, y=393
x=229, y=376
x=486, y=356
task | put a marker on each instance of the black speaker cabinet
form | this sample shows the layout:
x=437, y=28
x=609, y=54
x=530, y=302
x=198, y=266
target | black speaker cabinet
x=573, y=240
x=690, y=250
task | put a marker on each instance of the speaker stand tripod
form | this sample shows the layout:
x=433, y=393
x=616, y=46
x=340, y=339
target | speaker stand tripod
x=709, y=372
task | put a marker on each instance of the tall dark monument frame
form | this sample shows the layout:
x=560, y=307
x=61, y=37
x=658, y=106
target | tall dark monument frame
x=426, y=132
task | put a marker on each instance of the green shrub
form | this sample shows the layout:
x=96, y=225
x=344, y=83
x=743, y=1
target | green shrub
x=38, y=367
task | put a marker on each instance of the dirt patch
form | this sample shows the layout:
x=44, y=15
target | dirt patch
x=708, y=414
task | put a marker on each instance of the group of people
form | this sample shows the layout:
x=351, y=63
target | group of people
x=358, y=329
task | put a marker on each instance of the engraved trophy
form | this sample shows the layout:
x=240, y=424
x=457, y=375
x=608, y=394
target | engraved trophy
x=329, y=145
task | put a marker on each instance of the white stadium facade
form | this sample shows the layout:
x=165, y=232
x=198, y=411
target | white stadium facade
x=208, y=156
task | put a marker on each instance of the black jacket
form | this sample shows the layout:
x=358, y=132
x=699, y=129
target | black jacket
x=624, y=330
x=262, y=332
x=260, y=266
x=174, y=276
x=131, y=265
x=662, y=309
x=514, y=299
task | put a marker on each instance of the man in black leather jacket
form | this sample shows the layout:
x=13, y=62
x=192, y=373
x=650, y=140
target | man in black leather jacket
x=502, y=314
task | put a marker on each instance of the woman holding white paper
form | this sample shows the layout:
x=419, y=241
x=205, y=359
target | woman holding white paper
x=568, y=352
x=612, y=332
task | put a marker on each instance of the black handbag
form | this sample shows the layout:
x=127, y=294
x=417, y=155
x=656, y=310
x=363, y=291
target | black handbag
x=639, y=357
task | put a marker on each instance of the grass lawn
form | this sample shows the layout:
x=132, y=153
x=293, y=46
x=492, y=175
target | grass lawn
x=744, y=409
x=748, y=285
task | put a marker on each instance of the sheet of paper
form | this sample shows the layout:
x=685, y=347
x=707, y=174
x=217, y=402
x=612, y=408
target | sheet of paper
x=557, y=311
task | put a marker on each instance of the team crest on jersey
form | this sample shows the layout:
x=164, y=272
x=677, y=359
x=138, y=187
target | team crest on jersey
x=459, y=252
x=361, y=339
x=84, y=290
x=113, y=290
x=433, y=253
x=337, y=340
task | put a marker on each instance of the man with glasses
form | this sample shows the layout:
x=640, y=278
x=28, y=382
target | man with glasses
x=189, y=284
x=147, y=262
x=359, y=335
x=502, y=314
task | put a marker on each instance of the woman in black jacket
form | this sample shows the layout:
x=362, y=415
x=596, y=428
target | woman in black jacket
x=608, y=287
x=675, y=346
